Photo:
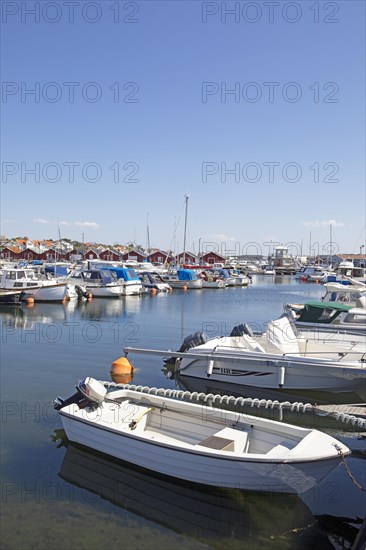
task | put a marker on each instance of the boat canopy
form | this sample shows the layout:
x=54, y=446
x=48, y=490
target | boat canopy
x=321, y=312
x=186, y=275
x=99, y=275
x=125, y=273
x=56, y=269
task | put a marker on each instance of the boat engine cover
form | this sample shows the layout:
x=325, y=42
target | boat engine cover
x=93, y=390
x=193, y=340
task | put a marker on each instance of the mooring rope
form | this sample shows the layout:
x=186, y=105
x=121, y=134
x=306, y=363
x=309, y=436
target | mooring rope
x=343, y=461
x=232, y=400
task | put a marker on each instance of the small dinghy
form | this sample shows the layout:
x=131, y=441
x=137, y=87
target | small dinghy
x=198, y=443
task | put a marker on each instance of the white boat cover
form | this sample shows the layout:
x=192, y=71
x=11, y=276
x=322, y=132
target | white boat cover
x=280, y=333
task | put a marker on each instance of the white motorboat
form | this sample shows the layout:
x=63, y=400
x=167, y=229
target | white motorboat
x=210, y=279
x=274, y=359
x=327, y=318
x=312, y=273
x=41, y=290
x=353, y=294
x=99, y=283
x=347, y=270
x=128, y=279
x=198, y=443
x=153, y=280
x=183, y=278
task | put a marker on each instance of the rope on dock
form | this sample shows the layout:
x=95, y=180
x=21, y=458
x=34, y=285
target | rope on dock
x=242, y=401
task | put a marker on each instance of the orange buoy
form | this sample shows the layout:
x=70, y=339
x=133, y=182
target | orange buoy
x=89, y=296
x=29, y=301
x=153, y=291
x=184, y=288
x=122, y=366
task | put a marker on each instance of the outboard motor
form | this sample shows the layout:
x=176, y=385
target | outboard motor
x=89, y=392
x=240, y=330
x=81, y=292
x=191, y=341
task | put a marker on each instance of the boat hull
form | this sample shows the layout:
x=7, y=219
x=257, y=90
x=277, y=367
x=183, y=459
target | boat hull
x=198, y=468
x=200, y=444
x=48, y=293
x=9, y=297
x=197, y=284
x=114, y=291
x=287, y=373
x=131, y=289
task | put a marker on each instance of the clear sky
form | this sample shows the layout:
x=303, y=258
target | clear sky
x=113, y=111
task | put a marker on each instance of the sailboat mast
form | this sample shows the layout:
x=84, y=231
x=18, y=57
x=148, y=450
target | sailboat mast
x=147, y=235
x=185, y=231
x=330, y=246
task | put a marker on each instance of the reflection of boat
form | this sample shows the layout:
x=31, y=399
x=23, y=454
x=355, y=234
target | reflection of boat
x=215, y=516
x=197, y=443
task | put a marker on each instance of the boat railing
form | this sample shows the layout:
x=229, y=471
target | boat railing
x=256, y=356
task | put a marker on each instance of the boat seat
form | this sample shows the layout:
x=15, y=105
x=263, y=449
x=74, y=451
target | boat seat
x=227, y=439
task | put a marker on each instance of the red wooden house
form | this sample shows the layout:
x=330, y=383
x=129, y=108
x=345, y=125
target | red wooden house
x=160, y=256
x=10, y=253
x=133, y=255
x=212, y=258
x=109, y=255
x=190, y=258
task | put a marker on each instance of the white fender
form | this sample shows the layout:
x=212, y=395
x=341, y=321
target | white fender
x=281, y=376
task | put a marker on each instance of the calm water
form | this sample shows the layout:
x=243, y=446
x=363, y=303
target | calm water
x=55, y=494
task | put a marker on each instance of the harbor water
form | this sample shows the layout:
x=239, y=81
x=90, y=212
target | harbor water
x=57, y=495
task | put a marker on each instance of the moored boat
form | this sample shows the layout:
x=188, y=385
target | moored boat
x=10, y=297
x=197, y=443
x=41, y=290
x=152, y=280
x=183, y=278
x=271, y=360
x=330, y=318
x=99, y=283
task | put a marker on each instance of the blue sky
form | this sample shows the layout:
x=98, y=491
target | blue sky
x=254, y=109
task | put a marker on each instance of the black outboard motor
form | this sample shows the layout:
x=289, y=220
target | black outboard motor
x=80, y=292
x=89, y=392
x=191, y=341
x=240, y=330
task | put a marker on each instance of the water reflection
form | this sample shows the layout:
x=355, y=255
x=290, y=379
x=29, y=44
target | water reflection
x=215, y=516
x=25, y=317
x=101, y=308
